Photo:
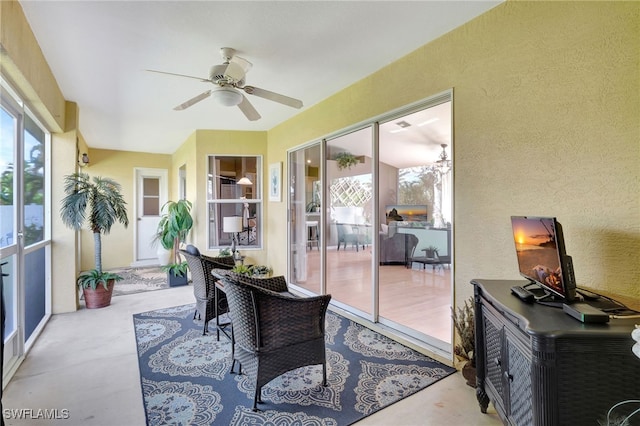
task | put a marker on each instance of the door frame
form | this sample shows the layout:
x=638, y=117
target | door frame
x=139, y=174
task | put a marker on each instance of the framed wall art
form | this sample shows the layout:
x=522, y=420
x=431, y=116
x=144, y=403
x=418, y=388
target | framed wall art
x=275, y=182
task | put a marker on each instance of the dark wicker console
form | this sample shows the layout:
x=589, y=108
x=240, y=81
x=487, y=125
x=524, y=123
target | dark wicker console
x=539, y=366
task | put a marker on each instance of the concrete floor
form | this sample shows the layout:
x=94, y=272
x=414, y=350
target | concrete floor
x=86, y=363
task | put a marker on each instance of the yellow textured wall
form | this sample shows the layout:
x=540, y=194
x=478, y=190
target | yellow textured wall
x=65, y=263
x=23, y=64
x=223, y=142
x=546, y=107
x=546, y=122
x=117, y=247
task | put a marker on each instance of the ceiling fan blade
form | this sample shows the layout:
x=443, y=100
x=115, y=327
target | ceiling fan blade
x=244, y=64
x=193, y=100
x=272, y=96
x=248, y=110
x=181, y=75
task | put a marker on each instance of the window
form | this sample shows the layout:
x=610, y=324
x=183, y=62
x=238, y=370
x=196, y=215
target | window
x=233, y=189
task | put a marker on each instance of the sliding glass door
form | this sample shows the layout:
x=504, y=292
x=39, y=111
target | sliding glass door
x=24, y=233
x=349, y=220
x=305, y=201
x=415, y=223
x=370, y=221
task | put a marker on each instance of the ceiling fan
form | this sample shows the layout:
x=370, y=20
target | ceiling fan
x=229, y=80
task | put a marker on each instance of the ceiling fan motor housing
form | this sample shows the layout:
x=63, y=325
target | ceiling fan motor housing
x=218, y=76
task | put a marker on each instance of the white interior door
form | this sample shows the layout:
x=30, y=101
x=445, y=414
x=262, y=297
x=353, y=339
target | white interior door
x=151, y=195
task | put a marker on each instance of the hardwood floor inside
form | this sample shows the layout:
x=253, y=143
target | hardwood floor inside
x=417, y=298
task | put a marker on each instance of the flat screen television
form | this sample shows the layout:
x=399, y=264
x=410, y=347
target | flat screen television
x=406, y=213
x=541, y=256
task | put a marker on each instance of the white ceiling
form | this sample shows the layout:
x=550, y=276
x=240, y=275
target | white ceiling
x=99, y=51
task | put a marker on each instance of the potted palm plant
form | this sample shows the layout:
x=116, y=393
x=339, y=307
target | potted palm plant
x=99, y=202
x=174, y=225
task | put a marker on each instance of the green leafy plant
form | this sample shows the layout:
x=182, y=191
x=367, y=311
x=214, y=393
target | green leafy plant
x=175, y=223
x=346, y=160
x=177, y=269
x=99, y=202
x=92, y=278
x=242, y=270
x=464, y=323
x=224, y=252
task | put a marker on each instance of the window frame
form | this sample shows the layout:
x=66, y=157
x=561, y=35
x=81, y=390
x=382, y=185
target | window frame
x=214, y=235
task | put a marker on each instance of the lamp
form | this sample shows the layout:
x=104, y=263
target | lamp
x=244, y=181
x=226, y=96
x=83, y=161
x=635, y=335
x=232, y=225
x=443, y=165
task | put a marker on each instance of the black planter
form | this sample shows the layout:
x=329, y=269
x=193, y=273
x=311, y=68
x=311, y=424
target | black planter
x=176, y=280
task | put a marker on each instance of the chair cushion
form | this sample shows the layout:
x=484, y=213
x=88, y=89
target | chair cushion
x=193, y=250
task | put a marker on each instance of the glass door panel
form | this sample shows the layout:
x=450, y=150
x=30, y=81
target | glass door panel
x=9, y=125
x=34, y=254
x=24, y=234
x=304, y=225
x=349, y=220
x=415, y=282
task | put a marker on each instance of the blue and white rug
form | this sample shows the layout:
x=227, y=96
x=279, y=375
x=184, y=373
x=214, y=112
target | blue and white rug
x=186, y=381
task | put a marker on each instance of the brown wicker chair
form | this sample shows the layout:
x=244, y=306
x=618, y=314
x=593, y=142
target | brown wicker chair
x=204, y=288
x=274, y=332
x=276, y=283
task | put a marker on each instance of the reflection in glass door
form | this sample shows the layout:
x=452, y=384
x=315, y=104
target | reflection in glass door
x=386, y=222
x=304, y=202
x=349, y=219
x=415, y=278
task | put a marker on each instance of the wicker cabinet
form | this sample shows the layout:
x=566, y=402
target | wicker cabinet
x=507, y=367
x=539, y=366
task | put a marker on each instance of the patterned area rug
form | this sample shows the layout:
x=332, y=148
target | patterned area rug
x=137, y=280
x=186, y=381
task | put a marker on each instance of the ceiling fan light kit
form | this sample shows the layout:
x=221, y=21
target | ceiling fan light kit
x=229, y=79
x=226, y=96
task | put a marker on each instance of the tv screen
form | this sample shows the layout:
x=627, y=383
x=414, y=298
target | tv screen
x=406, y=213
x=541, y=255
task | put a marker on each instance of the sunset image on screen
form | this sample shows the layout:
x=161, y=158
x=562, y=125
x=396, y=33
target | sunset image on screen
x=536, y=250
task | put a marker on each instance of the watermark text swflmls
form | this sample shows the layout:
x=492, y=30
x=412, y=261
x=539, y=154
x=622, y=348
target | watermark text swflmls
x=36, y=413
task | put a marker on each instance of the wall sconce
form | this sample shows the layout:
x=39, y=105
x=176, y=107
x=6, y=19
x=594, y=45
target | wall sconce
x=83, y=160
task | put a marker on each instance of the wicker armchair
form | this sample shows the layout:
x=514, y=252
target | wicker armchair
x=204, y=288
x=274, y=332
x=277, y=283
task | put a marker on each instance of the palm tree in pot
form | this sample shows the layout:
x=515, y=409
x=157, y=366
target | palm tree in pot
x=99, y=202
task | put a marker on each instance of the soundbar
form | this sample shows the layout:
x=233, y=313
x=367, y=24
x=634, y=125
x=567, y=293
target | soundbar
x=586, y=313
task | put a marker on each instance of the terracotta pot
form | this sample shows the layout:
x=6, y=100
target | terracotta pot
x=469, y=373
x=98, y=298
